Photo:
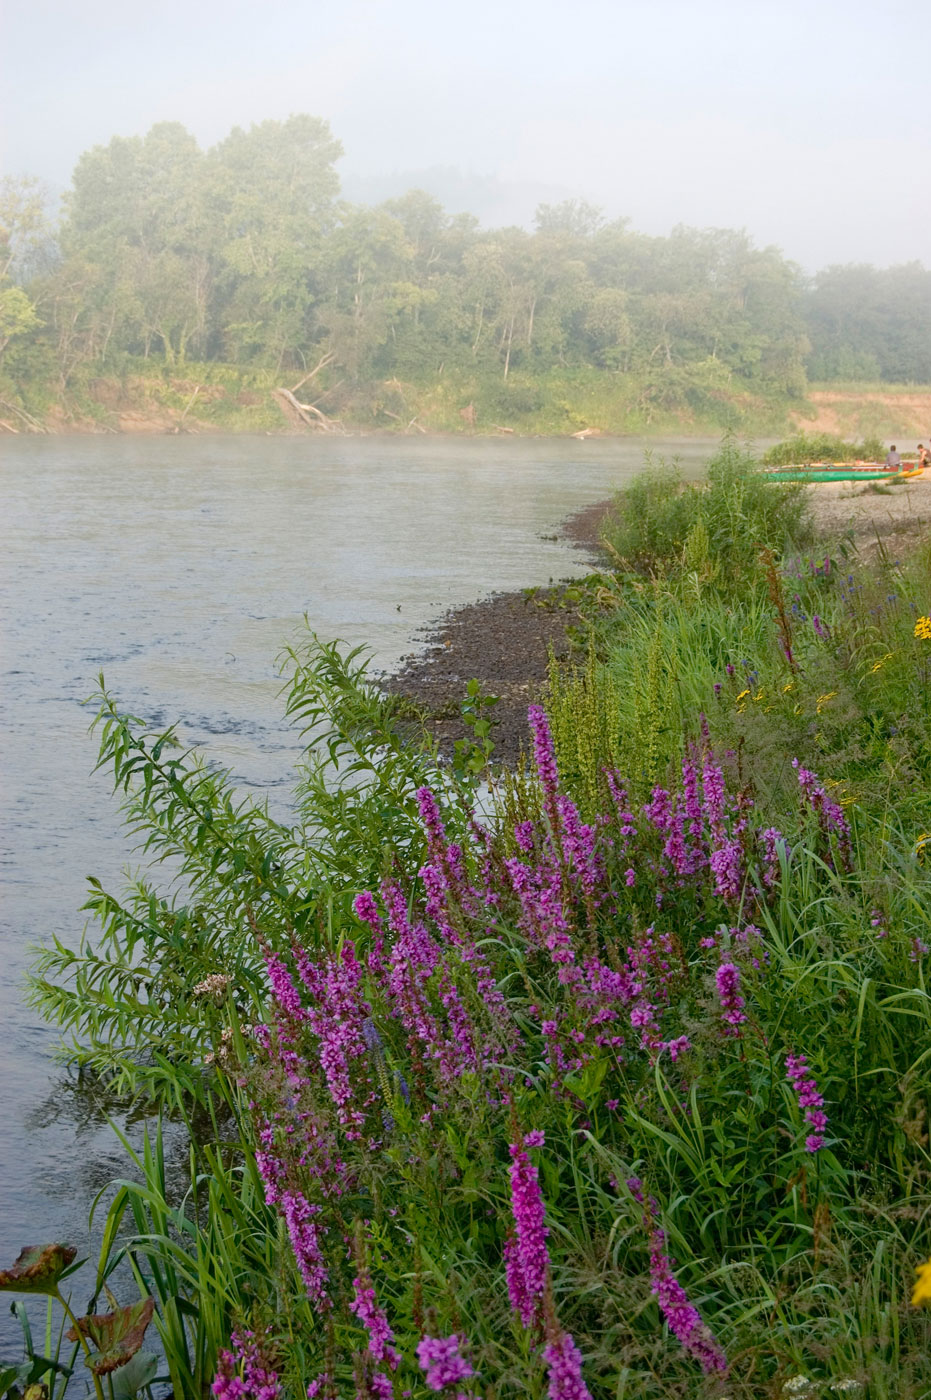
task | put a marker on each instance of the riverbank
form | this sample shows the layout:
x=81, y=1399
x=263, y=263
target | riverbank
x=505, y=641
x=213, y=398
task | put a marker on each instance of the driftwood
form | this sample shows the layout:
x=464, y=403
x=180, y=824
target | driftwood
x=305, y=415
x=33, y=424
x=8, y=427
x=587, y=433
x=499, y=428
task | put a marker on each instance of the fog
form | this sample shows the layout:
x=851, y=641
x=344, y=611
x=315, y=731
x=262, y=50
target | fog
x=807, y=124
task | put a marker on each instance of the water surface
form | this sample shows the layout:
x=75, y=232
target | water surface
x=178, y=567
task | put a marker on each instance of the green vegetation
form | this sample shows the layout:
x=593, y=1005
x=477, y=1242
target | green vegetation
x=822, y=447
x=190, y=284
x=621, y=1090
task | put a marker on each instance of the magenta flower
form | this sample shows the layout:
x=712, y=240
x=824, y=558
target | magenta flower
x=544, y=753
x=245, y=1373
x=564, y=1361
x=682, y=1316
x=830, y=814
x=365, y=1306
x=529, y=1263
x=806, y=1090
x=439, y=1357
x=727, y=980
x=304, y=1231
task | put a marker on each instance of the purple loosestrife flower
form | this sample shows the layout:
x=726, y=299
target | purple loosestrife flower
x=830, y=814
x=658, y=811
x=439, y=1357
x=806, y=1090
x=727, y=980
x=523, y=835
x=774, y=843
x=727, y=868
x=245, y=1373
x=530, y=1257
x=521, y=1302
x=713, y=789
x=682, y=1316
x=579, y=839
x=564, y=1361
x=544, y=753
x=283, y=989
x=304, y=1232
x=625, y=819
x=365, y=1306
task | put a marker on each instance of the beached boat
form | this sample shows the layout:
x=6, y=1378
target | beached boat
x=861, y=473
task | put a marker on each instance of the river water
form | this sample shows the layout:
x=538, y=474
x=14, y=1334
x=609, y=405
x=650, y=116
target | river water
x=178, y=567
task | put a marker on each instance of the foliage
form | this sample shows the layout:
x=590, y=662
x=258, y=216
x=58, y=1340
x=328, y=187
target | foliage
x=458, y=1084
x=866, y=322
x=713, y=529
x=822, y=447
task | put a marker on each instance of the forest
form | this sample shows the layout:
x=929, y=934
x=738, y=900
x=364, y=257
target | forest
x=236, y=269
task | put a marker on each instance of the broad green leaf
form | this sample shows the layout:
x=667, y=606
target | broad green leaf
x=136, y=1374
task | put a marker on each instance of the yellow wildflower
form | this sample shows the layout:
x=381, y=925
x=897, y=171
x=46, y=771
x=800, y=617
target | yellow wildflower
x=823, y=700
x=759, y=694
x=788, y=687
x=922, y=1289
x=923, y=628
x=742, y=696
x=877, y=665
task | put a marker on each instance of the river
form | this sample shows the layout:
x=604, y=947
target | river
x=178, y=567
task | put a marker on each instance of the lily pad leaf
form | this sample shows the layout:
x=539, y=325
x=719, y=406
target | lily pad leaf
x=117, y=1335
x=38, y=1269
x=135, y=1375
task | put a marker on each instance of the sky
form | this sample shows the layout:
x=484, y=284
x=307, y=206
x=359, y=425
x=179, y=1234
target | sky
x=807, y=124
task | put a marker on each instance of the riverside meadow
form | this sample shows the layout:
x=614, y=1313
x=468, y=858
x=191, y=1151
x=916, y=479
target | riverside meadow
x=603, y=1076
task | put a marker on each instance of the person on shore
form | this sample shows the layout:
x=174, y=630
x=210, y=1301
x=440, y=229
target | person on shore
x=893, y=460
x=924, y=456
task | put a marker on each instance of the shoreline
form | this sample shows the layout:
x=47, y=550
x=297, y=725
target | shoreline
x=503, y=640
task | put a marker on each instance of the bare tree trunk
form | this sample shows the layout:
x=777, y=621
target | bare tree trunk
x=327, y=359
x=303, y=414
x=507, y=358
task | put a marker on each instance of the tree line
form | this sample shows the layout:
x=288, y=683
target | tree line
x=244, y=254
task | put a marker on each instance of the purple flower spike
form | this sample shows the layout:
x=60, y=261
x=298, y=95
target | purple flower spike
x=806, y=1089
x=564, y=1360
x=527, y=1262
x=439, y=1357
x=727, y=979
x=544, y=753
x=365, y=1306
x=682, y=1316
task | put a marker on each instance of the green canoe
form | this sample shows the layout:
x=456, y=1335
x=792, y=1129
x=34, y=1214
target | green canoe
x=841, y=475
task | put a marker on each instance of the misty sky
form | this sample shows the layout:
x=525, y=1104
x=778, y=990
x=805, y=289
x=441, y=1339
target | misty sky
x=808, y=124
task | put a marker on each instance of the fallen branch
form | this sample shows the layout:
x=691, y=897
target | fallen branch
x=34, y=425
x=304, y=413
x=327, y=359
